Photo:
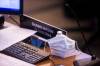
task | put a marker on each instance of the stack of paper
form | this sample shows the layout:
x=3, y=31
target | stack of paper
x=12, y=35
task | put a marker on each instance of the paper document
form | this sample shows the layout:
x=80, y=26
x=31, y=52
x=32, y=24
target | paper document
x=12, y=35
x=11, y=61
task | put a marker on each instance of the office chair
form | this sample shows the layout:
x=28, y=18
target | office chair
x=84, y=9
x=93, y=38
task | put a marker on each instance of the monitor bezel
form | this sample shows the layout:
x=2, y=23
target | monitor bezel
x=20, y=12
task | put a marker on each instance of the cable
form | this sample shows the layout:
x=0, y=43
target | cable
x=77, y=20
x=9, y=16
x=76, y=46
x=14, y=20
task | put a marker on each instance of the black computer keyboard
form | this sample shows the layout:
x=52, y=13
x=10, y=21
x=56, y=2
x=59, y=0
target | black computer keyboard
x=26, y=52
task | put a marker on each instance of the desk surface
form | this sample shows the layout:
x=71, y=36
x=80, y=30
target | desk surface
x=68, y=61
x=10, y=61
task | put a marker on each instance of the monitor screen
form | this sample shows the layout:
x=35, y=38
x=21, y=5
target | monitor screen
x=11, y=6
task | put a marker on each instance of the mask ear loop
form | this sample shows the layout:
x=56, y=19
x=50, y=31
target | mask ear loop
x=47, y=49
x=76, y=46
x=45, y=46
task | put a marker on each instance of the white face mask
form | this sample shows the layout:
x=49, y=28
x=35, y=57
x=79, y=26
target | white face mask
x=61, y=45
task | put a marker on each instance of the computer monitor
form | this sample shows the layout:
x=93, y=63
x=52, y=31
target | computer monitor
x=11, y=7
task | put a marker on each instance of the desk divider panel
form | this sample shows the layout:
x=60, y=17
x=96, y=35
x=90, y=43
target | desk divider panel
x=43, y=29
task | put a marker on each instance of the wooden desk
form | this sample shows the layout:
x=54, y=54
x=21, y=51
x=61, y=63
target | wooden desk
x=57, y=60
x=66, y=62
x=10, y=61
